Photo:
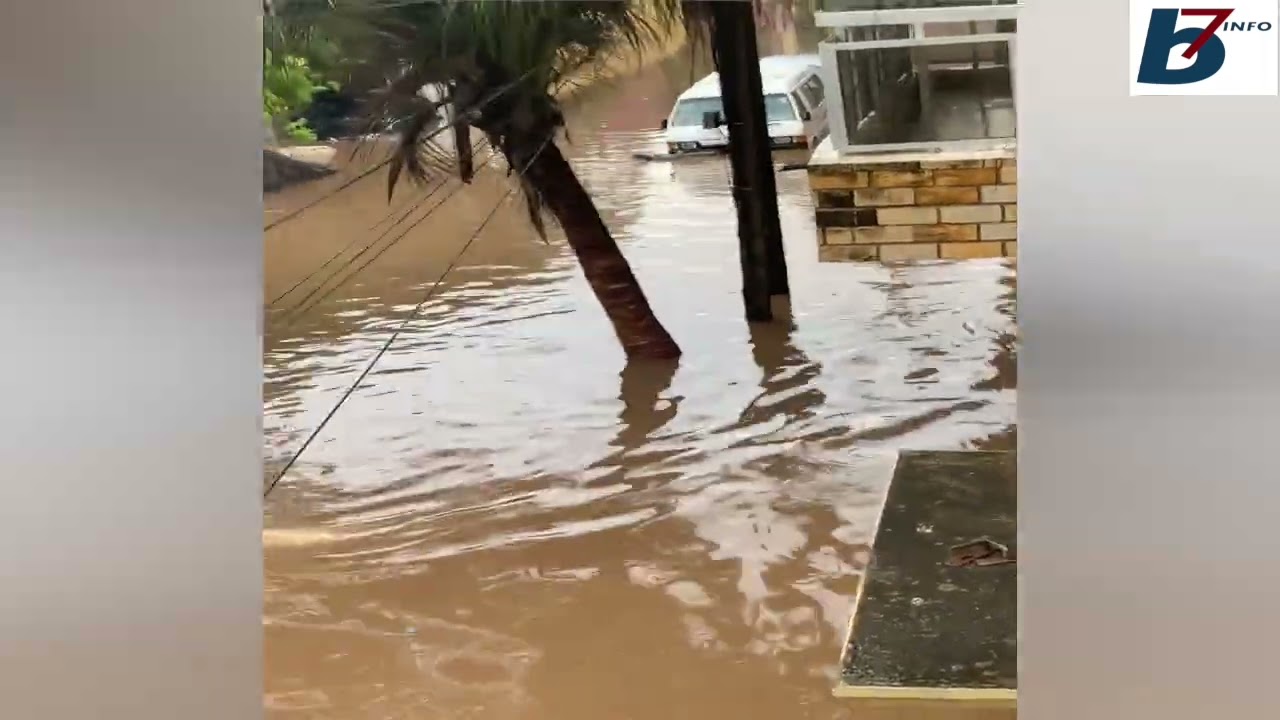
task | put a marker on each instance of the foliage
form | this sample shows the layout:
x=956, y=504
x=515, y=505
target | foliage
x=331, y=34
x=300, y=132
x=468, y=48
x=302, y=55
x=496, y=66
x=288, y=85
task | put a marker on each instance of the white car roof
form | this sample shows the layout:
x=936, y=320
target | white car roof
x=777, y=73
x=789, y=64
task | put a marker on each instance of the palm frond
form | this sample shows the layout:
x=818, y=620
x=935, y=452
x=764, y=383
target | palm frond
x=503, y=63
x=408, y=154
x=462, y=148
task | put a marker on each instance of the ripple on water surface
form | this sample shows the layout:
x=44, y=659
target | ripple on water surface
x=502, y=522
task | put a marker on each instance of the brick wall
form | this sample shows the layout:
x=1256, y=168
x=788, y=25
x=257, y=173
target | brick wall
x=916, y=210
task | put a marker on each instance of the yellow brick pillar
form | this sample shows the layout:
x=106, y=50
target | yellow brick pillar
x=918, y=206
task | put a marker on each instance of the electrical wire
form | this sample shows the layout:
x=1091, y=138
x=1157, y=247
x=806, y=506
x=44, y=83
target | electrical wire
x=386, y=345
x=322, y=198
x=459, y=119
x=404, y=323
x=307, y=303
x=349, y=245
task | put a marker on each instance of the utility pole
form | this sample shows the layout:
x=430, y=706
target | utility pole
x=755, y=190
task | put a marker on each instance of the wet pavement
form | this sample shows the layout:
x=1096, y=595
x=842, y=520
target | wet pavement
x=506, y=522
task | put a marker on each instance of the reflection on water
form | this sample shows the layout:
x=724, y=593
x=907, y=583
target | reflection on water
x=506, y=521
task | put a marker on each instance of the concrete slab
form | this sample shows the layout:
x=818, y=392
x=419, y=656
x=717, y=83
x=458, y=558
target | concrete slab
x=317, y=155
x=825, y=154
x=279, y=171
x=929, y=637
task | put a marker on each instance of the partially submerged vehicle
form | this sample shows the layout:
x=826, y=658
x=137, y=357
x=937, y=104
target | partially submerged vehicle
x=794, y=100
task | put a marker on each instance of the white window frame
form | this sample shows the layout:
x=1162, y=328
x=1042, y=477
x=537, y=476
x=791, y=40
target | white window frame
x=917, y=16
x=916, y=19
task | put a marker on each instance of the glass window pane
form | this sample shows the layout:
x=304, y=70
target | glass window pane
x=975, y=27
x=930, y=93
x=689, y=112
x=812, y=93
x=970, y=90
x=817, y=88
x=778, y=108
x=848, y=89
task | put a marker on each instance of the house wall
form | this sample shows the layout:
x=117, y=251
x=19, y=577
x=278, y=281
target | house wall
x=916, y=207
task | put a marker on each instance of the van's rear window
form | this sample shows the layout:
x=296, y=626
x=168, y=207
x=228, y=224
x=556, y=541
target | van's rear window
x=689, y=112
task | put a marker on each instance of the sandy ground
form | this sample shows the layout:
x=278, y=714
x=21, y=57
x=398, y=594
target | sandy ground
x=321, y=155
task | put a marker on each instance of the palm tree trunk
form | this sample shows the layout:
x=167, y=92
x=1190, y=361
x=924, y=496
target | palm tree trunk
x=606, y=269
x=755, y=190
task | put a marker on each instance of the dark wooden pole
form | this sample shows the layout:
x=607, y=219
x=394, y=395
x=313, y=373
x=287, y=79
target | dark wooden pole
x=755, y=190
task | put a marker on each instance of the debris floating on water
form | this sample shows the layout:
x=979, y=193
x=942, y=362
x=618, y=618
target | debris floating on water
x=297, y=537
x=673, y=157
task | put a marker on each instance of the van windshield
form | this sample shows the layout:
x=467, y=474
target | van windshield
x=777, y=108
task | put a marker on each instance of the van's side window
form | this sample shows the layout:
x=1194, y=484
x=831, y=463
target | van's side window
x=813, y=91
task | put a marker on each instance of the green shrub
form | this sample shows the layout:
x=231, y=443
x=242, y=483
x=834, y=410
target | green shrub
x=299, y=132
x=288, y=86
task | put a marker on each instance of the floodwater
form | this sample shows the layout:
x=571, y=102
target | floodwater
x=503, y=522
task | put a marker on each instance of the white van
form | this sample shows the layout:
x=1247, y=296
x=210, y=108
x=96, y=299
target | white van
x=794, y=102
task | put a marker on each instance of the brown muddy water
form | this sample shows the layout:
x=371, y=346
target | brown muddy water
x=504, y=522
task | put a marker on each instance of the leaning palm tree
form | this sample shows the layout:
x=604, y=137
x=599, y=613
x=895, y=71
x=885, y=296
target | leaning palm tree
x=497, y=66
